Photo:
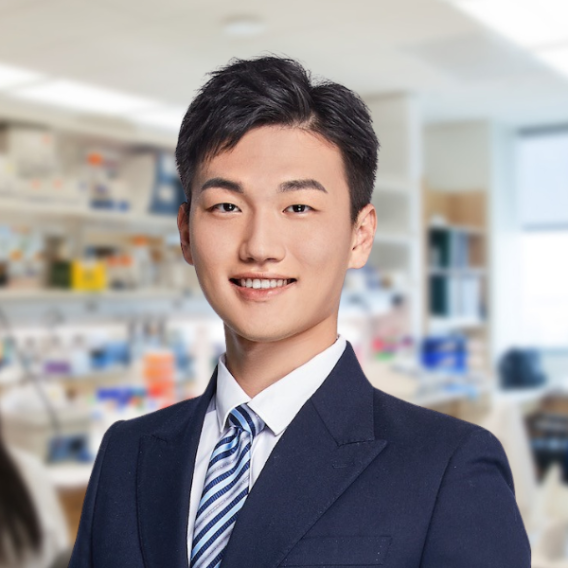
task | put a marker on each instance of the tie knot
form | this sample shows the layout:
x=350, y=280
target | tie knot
x=246, y=419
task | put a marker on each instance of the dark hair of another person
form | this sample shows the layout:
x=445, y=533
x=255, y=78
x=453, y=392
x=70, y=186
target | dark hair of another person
x=19, y=521
x=267, y=91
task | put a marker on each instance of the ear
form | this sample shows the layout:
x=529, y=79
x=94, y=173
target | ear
x=363, y=236
x=183, y=228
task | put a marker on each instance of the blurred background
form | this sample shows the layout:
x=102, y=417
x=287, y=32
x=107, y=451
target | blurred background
x=462, y=307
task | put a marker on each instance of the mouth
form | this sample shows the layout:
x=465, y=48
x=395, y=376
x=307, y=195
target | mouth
x=262, y=283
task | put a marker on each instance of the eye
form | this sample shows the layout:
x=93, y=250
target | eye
x=300, y=208
x=224, y=207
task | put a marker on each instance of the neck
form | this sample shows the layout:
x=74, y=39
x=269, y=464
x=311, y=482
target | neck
x=256, y=365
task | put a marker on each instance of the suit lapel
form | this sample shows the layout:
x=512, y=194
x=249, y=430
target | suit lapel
x=321, y=453
x=165, y=473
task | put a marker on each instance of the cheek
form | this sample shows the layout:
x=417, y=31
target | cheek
x=323, y=250
x=209, y=248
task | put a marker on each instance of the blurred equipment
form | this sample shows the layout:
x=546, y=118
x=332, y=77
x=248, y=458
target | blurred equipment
x=543, y=506
x=168, y=191
x=445, y=353
x=31, y=151
x=549, y=433
x=521, y=368
x=33, y=431
x=550, y=549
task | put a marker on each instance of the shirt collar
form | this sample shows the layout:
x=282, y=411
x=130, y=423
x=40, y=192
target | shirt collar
x=279, y=403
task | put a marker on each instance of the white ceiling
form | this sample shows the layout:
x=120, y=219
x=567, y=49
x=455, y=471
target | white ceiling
x=163, y=49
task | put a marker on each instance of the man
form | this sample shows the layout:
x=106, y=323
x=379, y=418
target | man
x=290, y=457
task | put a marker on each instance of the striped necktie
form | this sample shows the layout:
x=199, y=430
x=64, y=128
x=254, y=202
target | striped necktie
x=226, y=488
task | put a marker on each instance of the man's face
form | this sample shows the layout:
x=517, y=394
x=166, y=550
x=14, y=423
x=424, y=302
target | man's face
x=275, y=209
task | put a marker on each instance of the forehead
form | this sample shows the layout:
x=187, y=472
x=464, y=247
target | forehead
x=277, y=152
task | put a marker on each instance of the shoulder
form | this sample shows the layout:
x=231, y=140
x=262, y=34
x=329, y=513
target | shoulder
x=120, y=447
x=405, y=417
x=166, y=420
x=426, y=431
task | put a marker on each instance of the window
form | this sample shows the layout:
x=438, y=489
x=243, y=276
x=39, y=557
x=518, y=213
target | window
x=542, y=176
x=545, y=288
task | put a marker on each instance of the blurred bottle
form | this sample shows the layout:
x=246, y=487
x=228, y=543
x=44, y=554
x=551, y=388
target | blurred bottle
x=79, y=357
x=88, y=275
x=58, y=261
x=106, y=189
x=142, y=266
x=56, y=359
x=6, y=351
x=31, y=359
x=159, y=375
x=120, y=275
x=26, y=266
x=136, y=340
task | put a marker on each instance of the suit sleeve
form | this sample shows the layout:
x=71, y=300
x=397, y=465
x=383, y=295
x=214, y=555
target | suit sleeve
x=476, y=521
x=81, y=556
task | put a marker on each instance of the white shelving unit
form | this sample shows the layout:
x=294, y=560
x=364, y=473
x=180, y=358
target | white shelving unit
x=397, y=197
x=68, y=216
x=107, y=129
x=447, y=324
x=96, y=130
x=12, y=207
x=457, y=209
x=458, y=271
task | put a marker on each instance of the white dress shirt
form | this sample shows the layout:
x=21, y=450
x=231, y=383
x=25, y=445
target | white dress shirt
x=277, y=405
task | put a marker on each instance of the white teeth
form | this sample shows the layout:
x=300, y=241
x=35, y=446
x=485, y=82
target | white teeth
x=262, y=283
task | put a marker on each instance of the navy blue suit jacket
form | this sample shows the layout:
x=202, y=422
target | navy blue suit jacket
x=359, y=478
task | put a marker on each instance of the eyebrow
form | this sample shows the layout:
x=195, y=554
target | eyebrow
x=296, y=184
x=222, y=184
x=292, y=185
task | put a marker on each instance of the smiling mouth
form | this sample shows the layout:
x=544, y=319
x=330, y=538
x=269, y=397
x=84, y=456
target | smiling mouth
x=261, y=283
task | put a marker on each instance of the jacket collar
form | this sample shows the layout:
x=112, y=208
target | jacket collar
x=278, y=404
x=344, y=402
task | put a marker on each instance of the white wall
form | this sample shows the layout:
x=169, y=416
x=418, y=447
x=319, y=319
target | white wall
x=397, y=122
x=505, y=244
x=457, y=156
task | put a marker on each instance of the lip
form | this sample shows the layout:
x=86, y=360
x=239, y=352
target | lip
x=261, y=276
x=261, y=293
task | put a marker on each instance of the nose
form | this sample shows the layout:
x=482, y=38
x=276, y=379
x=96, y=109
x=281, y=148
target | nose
x=263, y=240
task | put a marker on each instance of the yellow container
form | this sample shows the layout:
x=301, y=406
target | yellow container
x=88, y=276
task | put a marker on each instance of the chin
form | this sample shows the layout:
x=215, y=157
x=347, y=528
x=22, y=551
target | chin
x=263, y=333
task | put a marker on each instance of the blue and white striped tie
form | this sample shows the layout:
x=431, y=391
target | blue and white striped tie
x=226, y=488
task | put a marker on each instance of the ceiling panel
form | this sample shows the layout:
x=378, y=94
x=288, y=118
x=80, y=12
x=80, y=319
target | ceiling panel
x=165, y=49
x=475, y=57
x=522, y=100
x=26, y=32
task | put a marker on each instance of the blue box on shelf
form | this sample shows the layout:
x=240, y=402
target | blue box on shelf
x=112, y=353
x=445, y=353
x=167, y=194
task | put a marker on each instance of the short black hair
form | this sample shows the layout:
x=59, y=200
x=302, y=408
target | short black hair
x=271, y=90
